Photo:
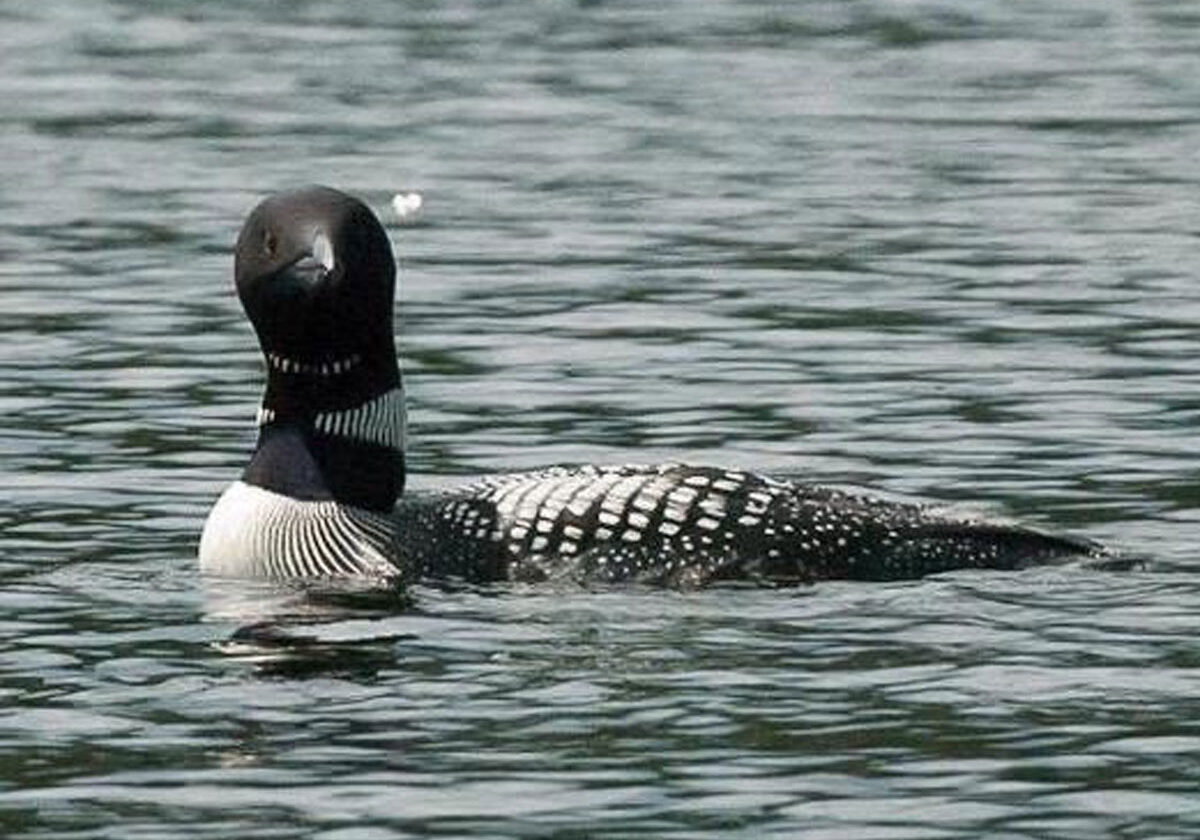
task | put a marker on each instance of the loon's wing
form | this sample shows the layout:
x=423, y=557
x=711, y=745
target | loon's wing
x=681, y=525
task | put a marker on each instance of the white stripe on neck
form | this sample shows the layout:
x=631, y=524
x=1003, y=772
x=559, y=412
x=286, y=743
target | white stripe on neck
x=380, y=421
x=336, y=367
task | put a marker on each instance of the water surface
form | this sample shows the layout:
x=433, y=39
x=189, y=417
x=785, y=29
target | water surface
x=942, y=250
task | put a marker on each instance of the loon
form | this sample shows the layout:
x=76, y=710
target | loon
x=322, y=496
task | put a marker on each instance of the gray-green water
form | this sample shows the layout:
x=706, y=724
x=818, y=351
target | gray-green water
x=945, y=250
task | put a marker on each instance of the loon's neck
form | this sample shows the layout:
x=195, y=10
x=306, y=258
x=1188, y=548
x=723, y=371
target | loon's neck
x=332, y=430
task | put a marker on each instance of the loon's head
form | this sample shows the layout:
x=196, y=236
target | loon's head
x=315, y=273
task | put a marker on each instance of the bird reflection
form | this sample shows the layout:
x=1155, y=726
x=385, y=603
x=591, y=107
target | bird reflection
x=312, y=629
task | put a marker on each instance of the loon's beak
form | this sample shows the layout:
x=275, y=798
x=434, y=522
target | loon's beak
x=315, y=265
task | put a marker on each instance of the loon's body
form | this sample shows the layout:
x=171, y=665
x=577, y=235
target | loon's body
x=687, y=526
x=322, y=494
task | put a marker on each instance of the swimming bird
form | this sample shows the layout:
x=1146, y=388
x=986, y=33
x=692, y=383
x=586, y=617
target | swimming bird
x=322, y=494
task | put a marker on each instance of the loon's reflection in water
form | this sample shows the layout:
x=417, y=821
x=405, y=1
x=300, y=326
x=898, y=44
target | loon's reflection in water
x=307, y=629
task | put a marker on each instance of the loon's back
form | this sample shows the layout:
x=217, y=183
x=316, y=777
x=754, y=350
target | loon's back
x=687, y=526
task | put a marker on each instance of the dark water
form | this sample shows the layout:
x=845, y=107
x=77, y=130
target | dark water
x=945, y=250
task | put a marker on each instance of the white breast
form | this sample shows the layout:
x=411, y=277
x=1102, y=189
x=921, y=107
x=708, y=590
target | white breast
x=252, y=532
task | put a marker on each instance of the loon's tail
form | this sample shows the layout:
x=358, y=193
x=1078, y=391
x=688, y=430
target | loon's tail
x=839, y=534
x=942, y=546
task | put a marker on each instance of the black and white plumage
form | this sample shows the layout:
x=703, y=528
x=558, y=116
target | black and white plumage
x=687, y=526
x=255, y=532
x=315, y=274
x=321, y=496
